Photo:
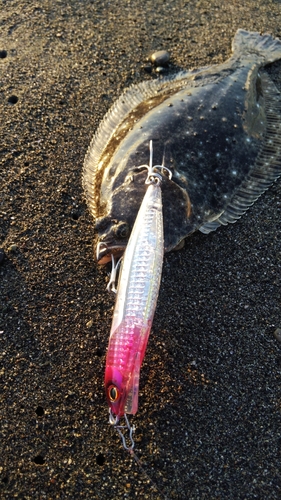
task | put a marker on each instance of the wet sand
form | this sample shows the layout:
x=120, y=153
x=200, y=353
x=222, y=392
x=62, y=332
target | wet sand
x=208, y=425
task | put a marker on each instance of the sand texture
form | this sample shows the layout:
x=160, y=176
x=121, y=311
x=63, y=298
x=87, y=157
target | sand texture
x=209, y=419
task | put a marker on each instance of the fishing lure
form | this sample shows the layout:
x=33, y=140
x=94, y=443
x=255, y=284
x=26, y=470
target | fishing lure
x=135, y=305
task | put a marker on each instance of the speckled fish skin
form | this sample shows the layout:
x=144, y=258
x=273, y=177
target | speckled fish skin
x=217, y=128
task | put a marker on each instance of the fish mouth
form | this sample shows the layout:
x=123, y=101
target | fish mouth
x=105, y=250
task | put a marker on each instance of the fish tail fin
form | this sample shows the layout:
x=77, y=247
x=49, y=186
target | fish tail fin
x=265, y=47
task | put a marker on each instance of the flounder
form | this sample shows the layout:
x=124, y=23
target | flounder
x=218, y=129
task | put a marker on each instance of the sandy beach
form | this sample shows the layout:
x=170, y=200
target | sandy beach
x=208, y=424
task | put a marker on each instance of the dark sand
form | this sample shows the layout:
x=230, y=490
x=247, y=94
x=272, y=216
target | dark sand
x=209, y=419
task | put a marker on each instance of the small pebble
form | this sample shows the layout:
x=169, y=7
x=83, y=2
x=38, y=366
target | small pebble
x=160, y=70
x=2, y=255
x=277, y=334
x=12, y=248
x=147, y=68
x=89, y=324
x=160, y=58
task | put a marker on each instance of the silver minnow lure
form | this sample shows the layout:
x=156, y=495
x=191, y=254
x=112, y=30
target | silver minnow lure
x=136, y=301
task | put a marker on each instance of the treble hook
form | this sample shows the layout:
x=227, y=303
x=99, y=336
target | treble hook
x=112, y=280
x=153, y=177
x=99, y=245
x=123, y=428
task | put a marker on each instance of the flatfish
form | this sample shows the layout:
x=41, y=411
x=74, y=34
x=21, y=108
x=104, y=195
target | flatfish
x=218, y=130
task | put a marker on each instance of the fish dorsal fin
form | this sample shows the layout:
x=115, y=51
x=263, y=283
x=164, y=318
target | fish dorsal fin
x=267, y=167
x=113, y=118
x=112, y=121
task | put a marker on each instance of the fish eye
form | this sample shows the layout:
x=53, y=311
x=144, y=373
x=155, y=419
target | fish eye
x=122, y=230
x=113, y=393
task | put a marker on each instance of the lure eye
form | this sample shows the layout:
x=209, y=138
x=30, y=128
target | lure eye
x=122, y=230
x=113, y=393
